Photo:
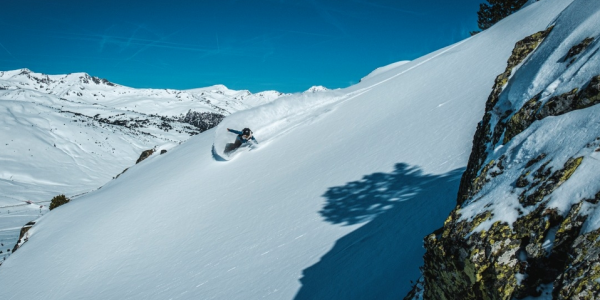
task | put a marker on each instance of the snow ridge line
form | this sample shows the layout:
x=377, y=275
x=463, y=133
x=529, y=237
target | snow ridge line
x=417, y=65
x=298, y=118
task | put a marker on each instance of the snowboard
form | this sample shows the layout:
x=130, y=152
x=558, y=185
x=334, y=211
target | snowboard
x=230, y=151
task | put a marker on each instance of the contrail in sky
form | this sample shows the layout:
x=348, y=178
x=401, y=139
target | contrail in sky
x=151, y=44
x=6, y=49
x=123, y=41
x=218, y=47
x=131, y=37
x=328, y=17
x=389, y=7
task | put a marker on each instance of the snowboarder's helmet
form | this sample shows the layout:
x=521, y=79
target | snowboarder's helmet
x=246, y=131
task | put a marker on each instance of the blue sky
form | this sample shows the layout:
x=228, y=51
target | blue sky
x=256, y=45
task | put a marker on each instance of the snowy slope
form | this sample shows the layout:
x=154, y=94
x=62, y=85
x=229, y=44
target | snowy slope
x=332, y=204
x=70, y=134
x=77, y=130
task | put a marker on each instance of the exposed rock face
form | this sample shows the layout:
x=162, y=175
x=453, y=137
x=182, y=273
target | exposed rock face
x=555, y=106
x=541, y=249
x=575, y=50
x=144, y=155
x=485, y=134
x=203, y=121
x=23, y=237
x=580, y=280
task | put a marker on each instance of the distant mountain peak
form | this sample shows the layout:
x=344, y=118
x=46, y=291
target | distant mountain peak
x=316, y=88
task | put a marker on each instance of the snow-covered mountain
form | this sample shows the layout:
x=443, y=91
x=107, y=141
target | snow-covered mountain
x=70, y=134
x=316, y=88
x=336, y=198
x=73, y=132
x=82, y=88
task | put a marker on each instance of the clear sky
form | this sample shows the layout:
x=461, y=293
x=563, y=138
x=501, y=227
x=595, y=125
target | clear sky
x=256, y=45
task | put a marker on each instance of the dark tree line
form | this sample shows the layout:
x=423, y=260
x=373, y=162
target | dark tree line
x=495, y=10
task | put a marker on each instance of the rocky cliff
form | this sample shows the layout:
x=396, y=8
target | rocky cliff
x=526, y=222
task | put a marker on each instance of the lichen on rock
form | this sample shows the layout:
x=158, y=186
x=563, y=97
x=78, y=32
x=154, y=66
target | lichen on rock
x=522, y=119
x=484, y=134
x=522, y=49
x=581, y=280
x=533, y=110
x=545, y=182
x=577, y=49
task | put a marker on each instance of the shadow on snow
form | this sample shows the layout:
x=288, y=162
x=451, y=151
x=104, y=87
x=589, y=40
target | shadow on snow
x=379, y=259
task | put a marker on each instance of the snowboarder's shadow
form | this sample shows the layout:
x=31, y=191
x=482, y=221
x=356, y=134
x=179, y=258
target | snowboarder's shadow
x=379, y=259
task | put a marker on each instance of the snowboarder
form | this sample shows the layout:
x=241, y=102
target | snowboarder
x=243, y=137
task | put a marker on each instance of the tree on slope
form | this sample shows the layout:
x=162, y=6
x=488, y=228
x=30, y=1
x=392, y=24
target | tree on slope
x=496, y=10
x=58, y=201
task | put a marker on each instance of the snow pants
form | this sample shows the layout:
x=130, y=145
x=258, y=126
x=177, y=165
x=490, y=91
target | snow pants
x=230, y=147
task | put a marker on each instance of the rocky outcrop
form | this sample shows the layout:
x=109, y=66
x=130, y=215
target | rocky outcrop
x=534, y=110
x=203, y=121
x=577, y=49
x=580, y=280
x=86, y=78
x=145, y=154
x=484, y=134
x=477, y=255
x=510, y=261
x=23, y=235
